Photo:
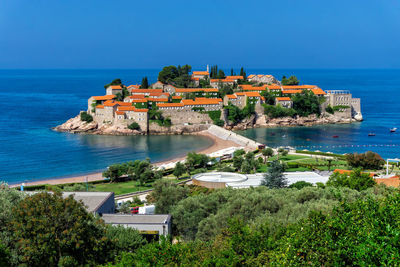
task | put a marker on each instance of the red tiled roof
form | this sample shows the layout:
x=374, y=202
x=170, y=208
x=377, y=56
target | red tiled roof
x=157, y=99
x=392, y=181
x=104, y=97
x=100, y=106
x=292, y=91
x=170, y=105
x=234, y=77
x=298, y=87
x=159, y=94
x=109, y=103
x=134, y=86
x=318, y=91
x=201, y=101
x=176, y=97
x=143, y=100
x=249, y=94
x=231, y=96
x=137, y=96
x=273, y=87
x=116, y=87
x=132, y=108
x=283, y=98
x=120, y=112
x=124, y=103
x=192, y=90
x=201, y=73
x=144, y=91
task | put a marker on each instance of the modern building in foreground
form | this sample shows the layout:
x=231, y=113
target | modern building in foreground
x=155, y=224
x=103, y=204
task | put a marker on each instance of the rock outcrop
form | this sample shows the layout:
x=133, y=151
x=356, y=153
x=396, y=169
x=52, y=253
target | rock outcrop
x=264, y=121
x=75, y=125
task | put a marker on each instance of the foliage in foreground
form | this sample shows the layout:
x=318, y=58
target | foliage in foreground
x=361, y=232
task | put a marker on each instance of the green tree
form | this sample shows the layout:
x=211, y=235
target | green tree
x=179, y=170
x=368, y=160
x=86, y=117
x=356, y=180
x=114, y=82
x=306, y=104
x=291, y=81
x=269, y=97
x=168, y=74
x=134, y=126
x=194, y=161
x=267, y=152
x=49, y=230
x=166, y=194
x=125, y=239
x=145, y=83
x=274, y=177
x=115, y=171
x=221, y=74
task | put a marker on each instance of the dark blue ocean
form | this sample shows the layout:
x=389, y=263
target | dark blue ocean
x=33, y=101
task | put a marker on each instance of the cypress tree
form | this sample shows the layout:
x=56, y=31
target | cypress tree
x=231, y=72
x=145, y=83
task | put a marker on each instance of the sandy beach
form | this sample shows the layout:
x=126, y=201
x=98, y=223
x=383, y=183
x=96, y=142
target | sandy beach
x=217, y=145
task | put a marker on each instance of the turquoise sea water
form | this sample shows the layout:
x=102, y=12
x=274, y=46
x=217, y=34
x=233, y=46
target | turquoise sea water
x=379, y=91
x=33, y=101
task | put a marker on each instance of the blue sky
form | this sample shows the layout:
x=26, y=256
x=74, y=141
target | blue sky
x=151, y=34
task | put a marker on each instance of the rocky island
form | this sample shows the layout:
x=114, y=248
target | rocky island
x=183, y=102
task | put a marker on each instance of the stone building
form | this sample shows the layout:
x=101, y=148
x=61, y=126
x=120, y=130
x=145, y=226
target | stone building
x=344, y=98
x=158, y=85
x=98, y=100
x=199, y=92
x=113, y=89
x=207, y=104
x=201, y=74
x=145, y=92
x=133, y=114
x=285, y=102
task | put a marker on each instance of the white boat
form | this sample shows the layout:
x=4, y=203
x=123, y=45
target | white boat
x=392, y=130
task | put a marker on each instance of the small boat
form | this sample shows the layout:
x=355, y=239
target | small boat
x=392, y=130
x=272, y=134
x=371, y=134
x=335, y=136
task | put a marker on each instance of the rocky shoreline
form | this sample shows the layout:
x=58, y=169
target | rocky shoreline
x=75, y=125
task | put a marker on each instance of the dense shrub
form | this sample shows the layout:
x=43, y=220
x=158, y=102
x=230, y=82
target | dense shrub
x=300, y=185
x=355, y=180
x=306, y=104
x=278, y=111
x=368, y=160
x=86, y=117
x=134, y=126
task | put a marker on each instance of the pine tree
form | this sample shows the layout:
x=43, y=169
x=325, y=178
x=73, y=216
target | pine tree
x=274, y=178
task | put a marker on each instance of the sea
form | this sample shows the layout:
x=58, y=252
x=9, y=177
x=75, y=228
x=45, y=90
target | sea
x=34, y=101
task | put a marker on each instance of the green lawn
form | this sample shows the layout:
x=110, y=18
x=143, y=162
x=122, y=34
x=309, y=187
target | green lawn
x=121, y=188
x=125, y=187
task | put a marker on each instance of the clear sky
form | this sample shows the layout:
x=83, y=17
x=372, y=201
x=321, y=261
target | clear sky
x=154, y=33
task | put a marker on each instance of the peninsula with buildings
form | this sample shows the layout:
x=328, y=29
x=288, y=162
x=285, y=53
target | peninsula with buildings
x=185, y=101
